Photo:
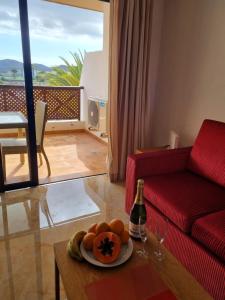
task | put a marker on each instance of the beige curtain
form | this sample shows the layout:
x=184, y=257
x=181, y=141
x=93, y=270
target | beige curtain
x=130, y=95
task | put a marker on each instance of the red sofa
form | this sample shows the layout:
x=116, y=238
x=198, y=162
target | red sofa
x=187, y=185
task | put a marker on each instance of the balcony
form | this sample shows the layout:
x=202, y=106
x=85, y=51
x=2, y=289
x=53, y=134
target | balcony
x=63, y=102
x=72, y=151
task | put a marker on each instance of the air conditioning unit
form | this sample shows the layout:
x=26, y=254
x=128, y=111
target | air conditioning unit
x=97, y=114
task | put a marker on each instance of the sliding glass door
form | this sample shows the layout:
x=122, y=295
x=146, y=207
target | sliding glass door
x=18, y=165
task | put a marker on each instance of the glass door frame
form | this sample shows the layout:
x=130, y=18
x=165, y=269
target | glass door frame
x=31, y=133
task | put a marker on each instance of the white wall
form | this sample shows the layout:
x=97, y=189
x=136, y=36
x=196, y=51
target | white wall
x=94, y=76
x=94, y=79
x=191, y=77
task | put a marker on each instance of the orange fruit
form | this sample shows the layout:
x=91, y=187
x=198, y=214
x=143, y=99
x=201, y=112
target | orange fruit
x=102, y=227
x=124, y=237
x=93, y=228
x=116, y=226
x=88, y=240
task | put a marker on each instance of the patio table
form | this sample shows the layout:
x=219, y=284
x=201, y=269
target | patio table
x=10, y=120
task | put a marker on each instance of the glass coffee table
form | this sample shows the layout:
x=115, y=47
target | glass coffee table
x=139, y=278
x=136, y=279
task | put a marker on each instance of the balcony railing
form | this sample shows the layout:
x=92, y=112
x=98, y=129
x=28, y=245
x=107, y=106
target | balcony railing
x=63, y=102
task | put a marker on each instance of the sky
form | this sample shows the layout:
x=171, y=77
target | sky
x=55, y=30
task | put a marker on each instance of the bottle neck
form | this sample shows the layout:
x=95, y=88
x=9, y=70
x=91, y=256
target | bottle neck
x=139, y=196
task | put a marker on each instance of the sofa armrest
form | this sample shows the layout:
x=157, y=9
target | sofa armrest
x=152, y=163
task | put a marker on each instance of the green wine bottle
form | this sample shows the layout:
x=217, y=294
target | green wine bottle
x=138, y=212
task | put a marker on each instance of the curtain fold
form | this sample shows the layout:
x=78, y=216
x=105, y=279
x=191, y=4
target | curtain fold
x=129, y=93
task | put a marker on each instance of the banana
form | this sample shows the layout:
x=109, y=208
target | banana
x=73, y=246
x=72, y=254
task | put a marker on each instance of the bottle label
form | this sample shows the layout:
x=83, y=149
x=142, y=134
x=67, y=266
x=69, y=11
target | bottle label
x=135, y=229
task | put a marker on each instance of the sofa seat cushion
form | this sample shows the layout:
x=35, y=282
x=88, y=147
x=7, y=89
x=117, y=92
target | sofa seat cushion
x=184, y=197
x=207, y=157
x=210, y=231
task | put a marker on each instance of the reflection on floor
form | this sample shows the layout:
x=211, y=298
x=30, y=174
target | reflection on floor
x=31, y=220
x=71, y=155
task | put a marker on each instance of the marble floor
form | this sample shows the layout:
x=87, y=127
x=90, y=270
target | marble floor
x=33, y=219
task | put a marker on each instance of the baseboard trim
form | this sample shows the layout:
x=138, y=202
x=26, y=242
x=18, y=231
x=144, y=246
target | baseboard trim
x=96, y=137
x=9, y=135
x=55, y=132
x=64, y=131
x=15, y=135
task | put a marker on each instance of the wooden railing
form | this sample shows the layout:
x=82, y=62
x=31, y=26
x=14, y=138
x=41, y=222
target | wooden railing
x=63, y=102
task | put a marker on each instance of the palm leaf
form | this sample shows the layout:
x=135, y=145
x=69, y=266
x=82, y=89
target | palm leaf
x=71, y=77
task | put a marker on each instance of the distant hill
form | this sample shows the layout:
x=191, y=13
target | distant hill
x=42, y=68
x=63, y=67
x=7, y=65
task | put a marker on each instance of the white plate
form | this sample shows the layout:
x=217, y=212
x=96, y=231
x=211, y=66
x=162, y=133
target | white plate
x=126, y=251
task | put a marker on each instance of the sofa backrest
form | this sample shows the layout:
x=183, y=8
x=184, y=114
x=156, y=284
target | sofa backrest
x=207, y=157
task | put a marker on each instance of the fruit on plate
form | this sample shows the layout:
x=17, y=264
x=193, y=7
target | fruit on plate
x=93, y=228
x=106, y=247
x=88, y=240
x=102, y=227
x=116, y=226
x=124, y=237
x=73, y=246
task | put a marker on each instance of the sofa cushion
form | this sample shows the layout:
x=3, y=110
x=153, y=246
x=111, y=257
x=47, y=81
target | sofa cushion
x=207, y=157
x=210, y=231
x=183, y=197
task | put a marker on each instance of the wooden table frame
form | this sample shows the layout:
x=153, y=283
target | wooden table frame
x=57, y=282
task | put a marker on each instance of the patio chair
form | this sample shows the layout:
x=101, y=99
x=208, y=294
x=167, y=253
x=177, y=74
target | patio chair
x=19, y=145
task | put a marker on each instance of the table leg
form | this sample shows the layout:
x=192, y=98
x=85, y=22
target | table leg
x=57, y=283
x=22, y=156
